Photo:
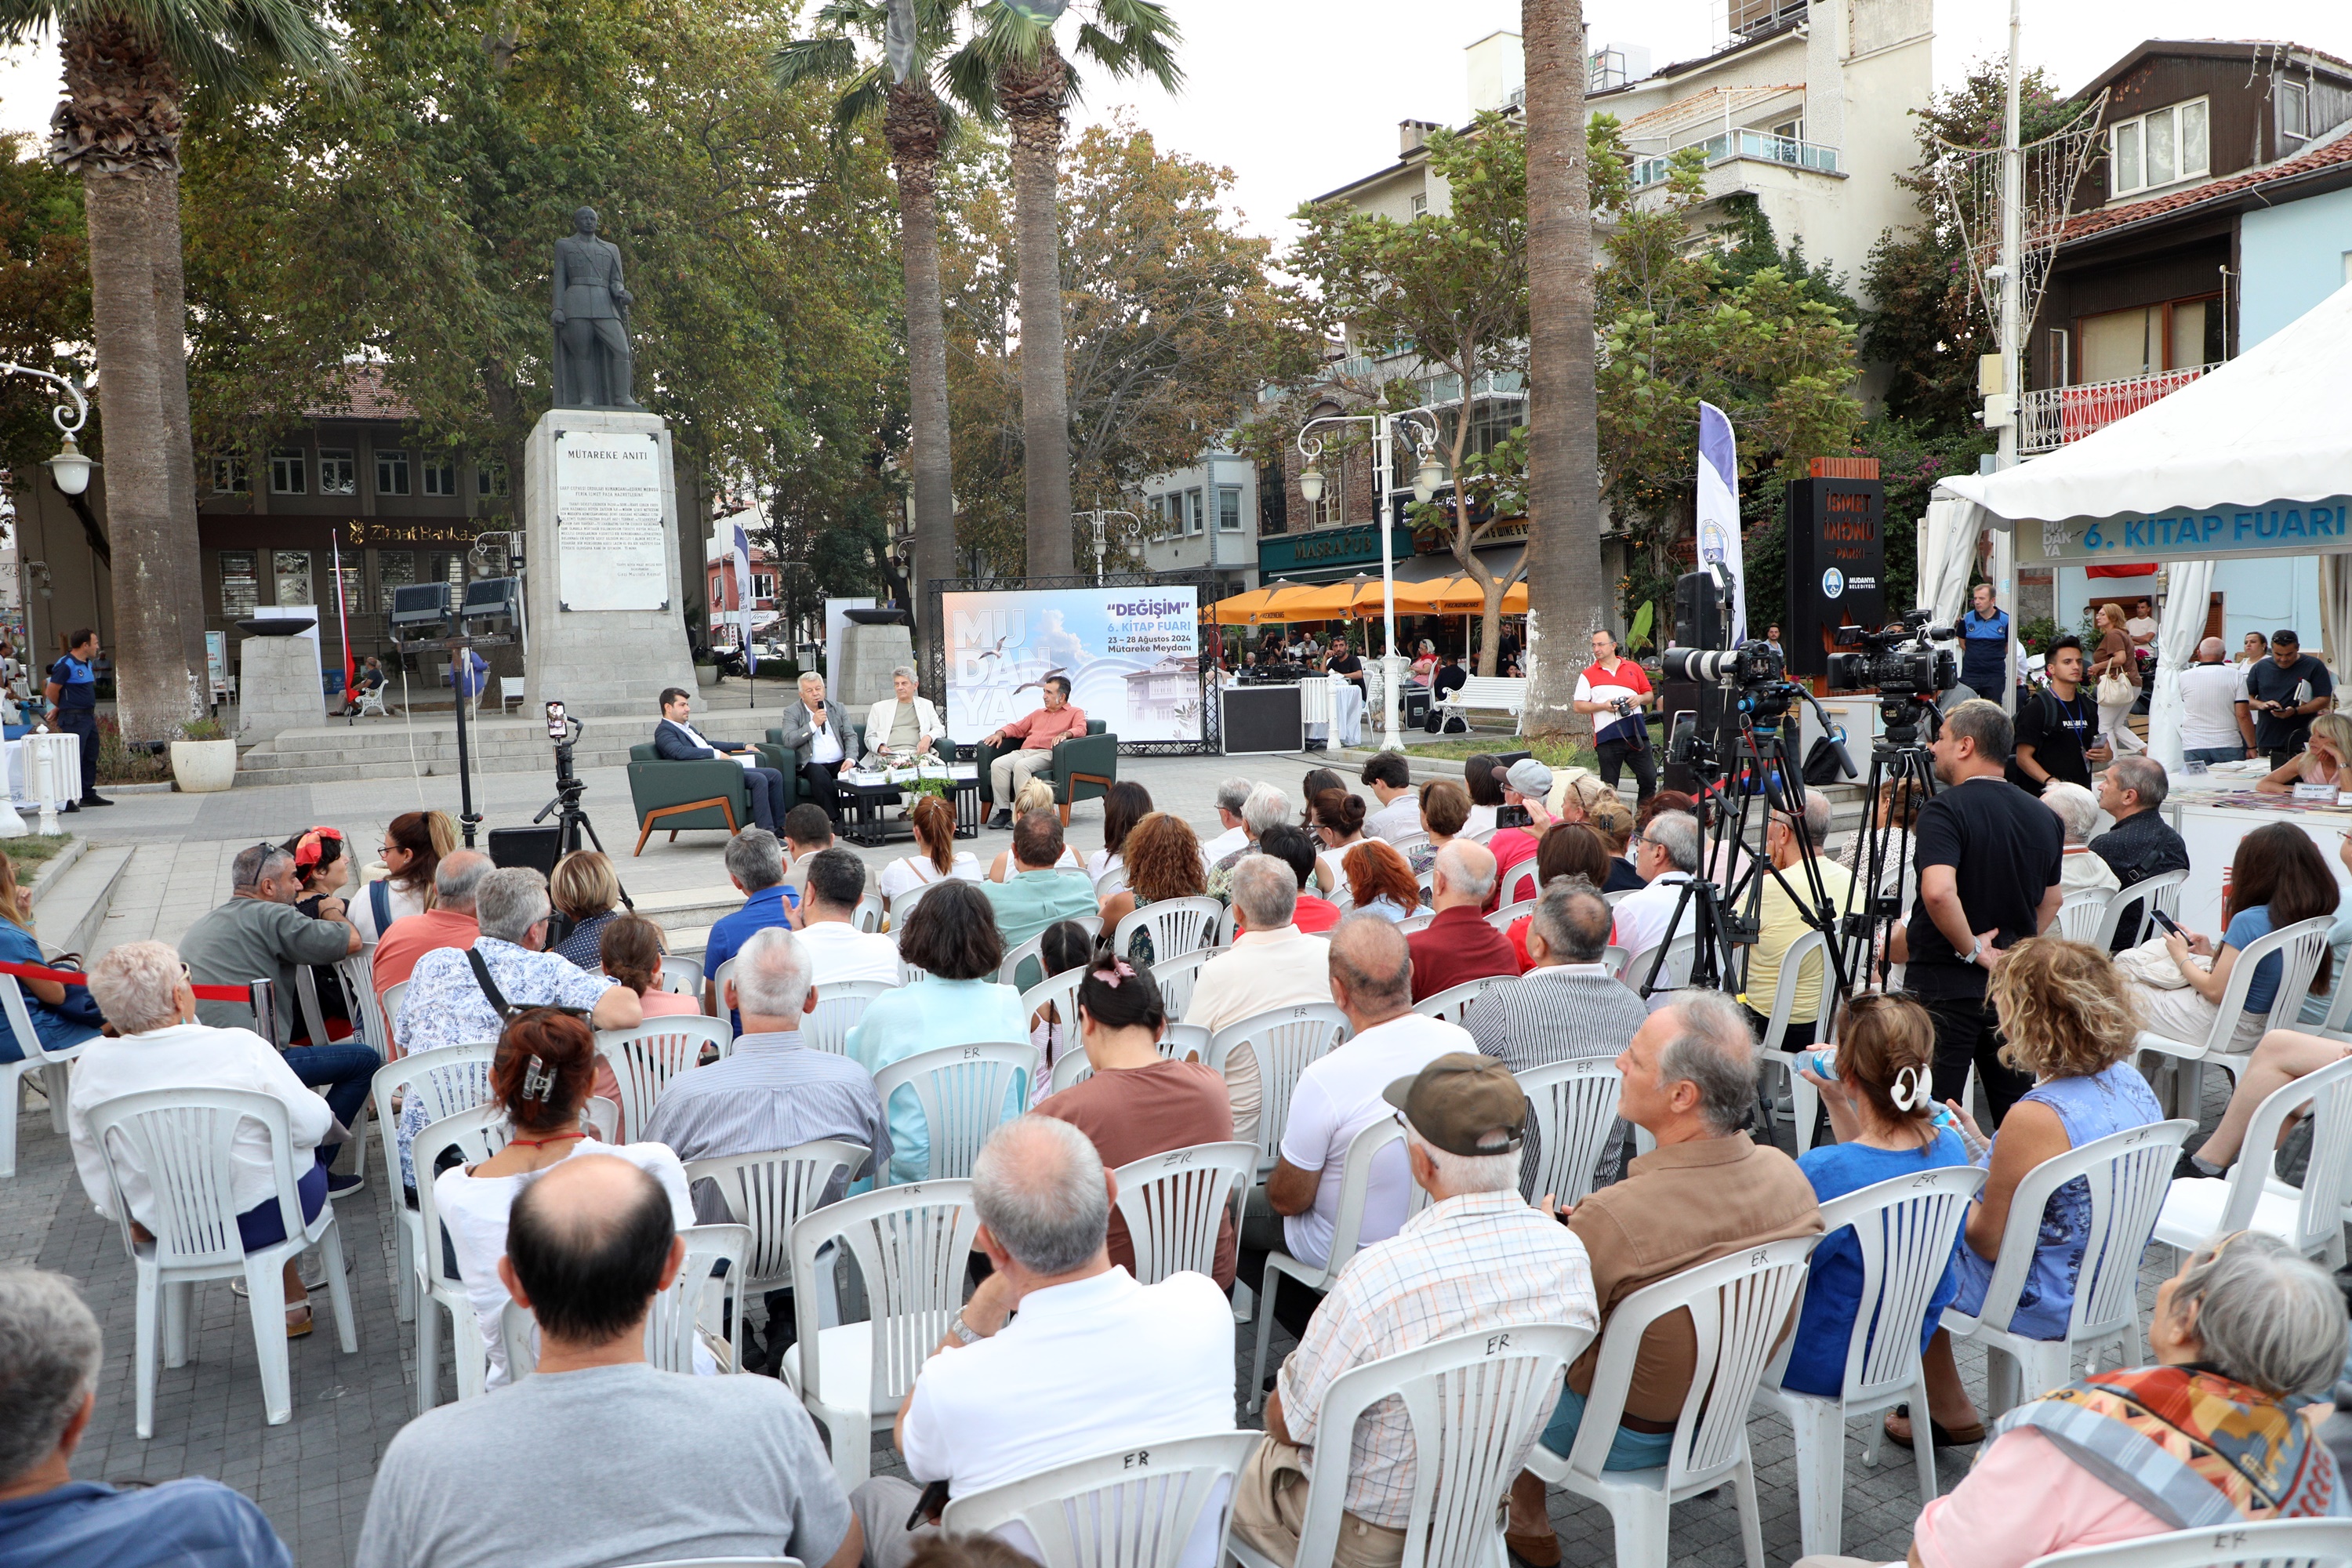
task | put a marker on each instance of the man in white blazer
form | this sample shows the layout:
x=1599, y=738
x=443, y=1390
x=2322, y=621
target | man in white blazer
x=901, y=728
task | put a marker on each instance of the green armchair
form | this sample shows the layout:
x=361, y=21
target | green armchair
x=773, y=755
x=679, y=796
x=1083, y=768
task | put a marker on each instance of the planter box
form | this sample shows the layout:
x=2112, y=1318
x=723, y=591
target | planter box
x=203, y=767
x=706, y=674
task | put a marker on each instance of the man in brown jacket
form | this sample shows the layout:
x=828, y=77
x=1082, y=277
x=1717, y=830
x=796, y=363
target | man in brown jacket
x=1706, y=1191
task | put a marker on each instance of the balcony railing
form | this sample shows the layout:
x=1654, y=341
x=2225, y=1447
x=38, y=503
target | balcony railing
x=1760, y=145
x=2056, y=416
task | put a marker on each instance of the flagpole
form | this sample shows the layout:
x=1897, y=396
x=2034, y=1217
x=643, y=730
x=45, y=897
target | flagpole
x=342, y=612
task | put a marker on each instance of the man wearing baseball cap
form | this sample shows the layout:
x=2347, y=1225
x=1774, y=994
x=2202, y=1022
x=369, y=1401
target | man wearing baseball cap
x=1524, y=782
x=1477, y=1259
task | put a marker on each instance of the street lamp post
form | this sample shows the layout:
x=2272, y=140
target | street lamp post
x=70, y=469
x=1099, y=516
x=1430, y=473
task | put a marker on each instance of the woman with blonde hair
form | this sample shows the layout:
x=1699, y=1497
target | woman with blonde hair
x=906, y=880
x=2115, y=661
x=2321, y=761
x=587, y=891
x=1163, y=861
x=1035, y=794
x=2067, y=1017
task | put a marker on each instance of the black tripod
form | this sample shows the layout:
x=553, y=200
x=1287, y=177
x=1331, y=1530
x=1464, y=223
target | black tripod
x=570, y=820
x=1901, y=766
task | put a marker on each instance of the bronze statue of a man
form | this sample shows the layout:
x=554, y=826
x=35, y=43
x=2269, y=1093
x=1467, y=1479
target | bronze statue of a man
x=592, y=315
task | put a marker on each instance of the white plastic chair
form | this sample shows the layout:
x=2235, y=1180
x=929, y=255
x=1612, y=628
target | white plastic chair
x=1412, y=923
x=1408, y=844
x=1175, y=1204
x=1737, y=1306
x=1178, y=926
x=1134, y=1509
x=602, y=1117
x=2274, y=1543
x=1008, y=973
x=450, y=1080
x=356, y=974
x=1186, y=1042
x=2298, y=947
x=717, y=980
x=182, y=1141
x=1110, y=884
x=1672, y=975
x=476, y=1134
x=911, y=1246
x=2081, y=916
x=838, y=1008
x=1504, y=919
x=2164, y=887
x=53, y=1065
x=1905, y=1230
x=1346, y=1233
x=2310, y=1218
x=1474, y=1403
x=769, y=1191
x=393, y=995
x=647, y=1057
x=867, y=916
x=1176, y=976
x=1521, y=883
x=963, y=1091
x=1059, y=992
x=1571, y=1105
x=1809, y=952
x=681, y=976
x=704, y=1297
x=1613, y=958
x=2128, y=1172
x=1283, y=1039
x=1452, y=1002
x=1615, y=898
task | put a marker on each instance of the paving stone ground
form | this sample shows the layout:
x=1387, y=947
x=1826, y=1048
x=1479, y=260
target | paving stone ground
x=311, y=1476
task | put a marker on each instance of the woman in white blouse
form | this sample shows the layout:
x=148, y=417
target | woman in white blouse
x=409, y=863
x=1125, y=803
x=904, y=881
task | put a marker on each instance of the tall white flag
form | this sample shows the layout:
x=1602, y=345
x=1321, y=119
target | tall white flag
x=1718, y=510
x=744, y=603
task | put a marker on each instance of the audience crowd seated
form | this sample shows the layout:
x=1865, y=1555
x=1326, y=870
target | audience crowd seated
x=1457, y=945
x=406, y=887
x=2077, y=811
x=1380, y=882
x=2141, y=844
x=450, y=922
x=322, y=871
x=1314, y=915
x=1062, y=947
x=2276, y=878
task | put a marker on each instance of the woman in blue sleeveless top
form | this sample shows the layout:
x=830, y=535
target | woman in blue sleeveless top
x=2066, y=1014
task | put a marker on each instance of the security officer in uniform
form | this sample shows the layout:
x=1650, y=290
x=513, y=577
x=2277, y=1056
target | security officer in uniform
x=72, y=694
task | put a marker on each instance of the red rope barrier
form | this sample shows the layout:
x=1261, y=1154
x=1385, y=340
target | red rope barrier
x=76, y=978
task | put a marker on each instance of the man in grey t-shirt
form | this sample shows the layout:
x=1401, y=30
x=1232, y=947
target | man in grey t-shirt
x=697, y=1467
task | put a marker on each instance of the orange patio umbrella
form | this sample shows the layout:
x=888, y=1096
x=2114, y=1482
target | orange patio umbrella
x=1270, y=603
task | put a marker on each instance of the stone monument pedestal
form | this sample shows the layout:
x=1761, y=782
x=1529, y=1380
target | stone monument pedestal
x=869, y=655
x=277, y=687
x=604, y=605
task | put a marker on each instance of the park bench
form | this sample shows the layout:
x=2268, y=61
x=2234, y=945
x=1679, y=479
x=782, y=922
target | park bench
x=1488, y=694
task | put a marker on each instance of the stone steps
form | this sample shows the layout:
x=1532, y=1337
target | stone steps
x=70, y=904
x=378, y=748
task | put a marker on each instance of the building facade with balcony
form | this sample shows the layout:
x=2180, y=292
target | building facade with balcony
x=1203, y=518
x=2218, y=210
x=720, y=588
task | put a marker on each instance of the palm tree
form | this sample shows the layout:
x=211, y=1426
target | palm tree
x=917, y=124
x=1012, y=57
x=129, y=66
x=1567, y=597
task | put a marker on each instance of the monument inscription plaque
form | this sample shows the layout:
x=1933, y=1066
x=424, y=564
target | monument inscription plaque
x=613, y=549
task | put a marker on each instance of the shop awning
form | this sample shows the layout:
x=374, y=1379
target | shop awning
x=1270, y=603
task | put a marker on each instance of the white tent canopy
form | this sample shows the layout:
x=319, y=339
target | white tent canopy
x=2253, y=459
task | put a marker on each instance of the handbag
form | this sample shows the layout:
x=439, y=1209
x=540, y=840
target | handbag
x=2115, y=691
x=78, y=1007
x=2151, y=965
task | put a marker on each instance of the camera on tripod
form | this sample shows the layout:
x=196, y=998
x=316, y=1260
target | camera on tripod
x=1752, y=664
x=1900, y=659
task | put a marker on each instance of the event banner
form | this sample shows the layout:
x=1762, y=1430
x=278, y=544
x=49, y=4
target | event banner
x=2275, y=528
x=1132, y=656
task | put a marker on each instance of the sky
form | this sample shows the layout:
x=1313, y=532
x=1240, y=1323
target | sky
x=1298, y=97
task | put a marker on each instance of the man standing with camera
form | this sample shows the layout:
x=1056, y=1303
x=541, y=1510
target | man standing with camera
x=2055, y=728
x=1617, y=686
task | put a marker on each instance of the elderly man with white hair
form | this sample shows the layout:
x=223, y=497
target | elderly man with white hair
x=159, y=1044
x=1271, y=964
x=773, y=1092
x=1231, y=797
x=1667, y=855
x=49, y=1358
x=1457, y=945
x=1264, y=807
x=1093, y=1363
x=903, y=725
x=815, y=733
x=2077, y=811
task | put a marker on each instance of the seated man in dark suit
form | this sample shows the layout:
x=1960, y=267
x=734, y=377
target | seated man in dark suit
x=676, y=741
x=816, y=731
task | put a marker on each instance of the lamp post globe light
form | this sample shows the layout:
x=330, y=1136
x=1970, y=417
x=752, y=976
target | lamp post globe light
x=1420, y=425
x=71, y=467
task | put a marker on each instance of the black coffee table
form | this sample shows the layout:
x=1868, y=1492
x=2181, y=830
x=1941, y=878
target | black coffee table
x=865, y=804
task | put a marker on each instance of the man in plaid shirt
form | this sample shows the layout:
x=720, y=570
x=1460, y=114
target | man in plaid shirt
x=1478, y=1258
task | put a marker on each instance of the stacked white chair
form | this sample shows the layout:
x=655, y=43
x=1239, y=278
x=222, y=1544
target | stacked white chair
x=1475, y=1402
x=1572, y=1104
x=963, y=1091
x=647, y=1057
x=771, y=1192
x=1175, y=1204
x=52, y=1065
x=838, y=1008
x=445, y=1081
x=911, y=1246
x=181, y=1141
x=1135, y=1508
x=1283, y=1039
x=2128, y=1172
x=476, y=1134
x=1737, y=1305
x=1905, y=1230
x=2310, y=1218
x=1452, y=1002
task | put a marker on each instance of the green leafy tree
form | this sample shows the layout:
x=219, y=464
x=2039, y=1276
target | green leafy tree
x=44, y=300
x=1451, y=287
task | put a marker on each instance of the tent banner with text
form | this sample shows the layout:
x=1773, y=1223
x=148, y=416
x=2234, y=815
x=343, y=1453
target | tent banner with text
x=2132, y=539
x=1132, y=656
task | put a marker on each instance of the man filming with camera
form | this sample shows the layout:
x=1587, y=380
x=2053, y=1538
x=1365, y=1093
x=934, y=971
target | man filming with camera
x=1616, y=686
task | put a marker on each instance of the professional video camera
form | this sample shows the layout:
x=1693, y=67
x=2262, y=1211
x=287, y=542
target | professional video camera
x=1902, y=662
x=1754, y=675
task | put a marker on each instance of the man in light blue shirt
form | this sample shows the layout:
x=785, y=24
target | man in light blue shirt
x=1036, y=895
x=755, y=864
x=49, y=1358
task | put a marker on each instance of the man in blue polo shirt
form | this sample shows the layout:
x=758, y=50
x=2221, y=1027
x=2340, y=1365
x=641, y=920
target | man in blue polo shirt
x=755, y=864
x=72, y=694
x=49, y=1358
x=1984, y=646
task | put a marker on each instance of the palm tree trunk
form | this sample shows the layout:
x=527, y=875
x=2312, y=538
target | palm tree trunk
x=118, y=129
x=1567, y=595
x=912, y=127
x=172, y=369
x=1032, y=95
